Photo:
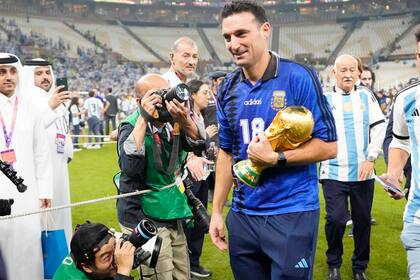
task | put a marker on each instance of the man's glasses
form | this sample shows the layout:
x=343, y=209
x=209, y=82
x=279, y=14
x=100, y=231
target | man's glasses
x=366, y=79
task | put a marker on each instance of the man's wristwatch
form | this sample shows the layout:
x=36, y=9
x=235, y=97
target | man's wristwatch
x=281, y=159
x=371, y=158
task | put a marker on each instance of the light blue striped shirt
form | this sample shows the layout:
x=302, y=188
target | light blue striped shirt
x=360, y=127
x=406, y=132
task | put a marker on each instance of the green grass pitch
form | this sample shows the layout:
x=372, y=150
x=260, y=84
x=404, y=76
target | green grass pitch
x=91, y=175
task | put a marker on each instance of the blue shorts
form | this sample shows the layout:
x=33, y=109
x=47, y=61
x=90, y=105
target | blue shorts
x=278, y=247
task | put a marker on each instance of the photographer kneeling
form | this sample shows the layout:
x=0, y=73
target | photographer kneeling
x=152, y=145
x=96, y=254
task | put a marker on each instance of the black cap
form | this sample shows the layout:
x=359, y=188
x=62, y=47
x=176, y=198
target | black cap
x=217, y=74
x=87, y=240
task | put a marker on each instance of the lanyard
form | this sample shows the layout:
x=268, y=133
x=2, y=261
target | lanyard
x=8, y=136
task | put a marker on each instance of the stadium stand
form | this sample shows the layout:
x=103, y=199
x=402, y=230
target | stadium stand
x=117, y=39
x=374, y=35
x=161, y=39
x=316, y=39
x=51, y=29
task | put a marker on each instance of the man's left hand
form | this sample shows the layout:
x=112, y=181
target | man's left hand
x=124, y=257
x=178, y=111
x=260, y=150
x=45, y=202
x=366, y=170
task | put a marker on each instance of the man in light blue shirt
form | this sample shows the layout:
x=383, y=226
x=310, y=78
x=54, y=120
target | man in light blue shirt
x=360, y=130
x=406, y=130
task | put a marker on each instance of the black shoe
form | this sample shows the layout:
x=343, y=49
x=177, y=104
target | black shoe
x=359, y=275
x=372, y=221
x=200, y=272
x=334, y=274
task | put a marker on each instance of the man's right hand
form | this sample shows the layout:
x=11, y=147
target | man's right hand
x=150, y=101
x=124, y=257
x=58, y=98
x=394, y=182
x=217, y=232
x=195, y=165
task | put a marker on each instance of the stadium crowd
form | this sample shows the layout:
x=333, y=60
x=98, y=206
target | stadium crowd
x=171, y=128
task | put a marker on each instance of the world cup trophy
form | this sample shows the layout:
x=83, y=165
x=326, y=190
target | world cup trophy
x=290, y=128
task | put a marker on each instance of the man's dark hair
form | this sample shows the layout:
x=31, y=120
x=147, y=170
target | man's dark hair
x=237, y=7
x=91, y=93
x=366, y=68
x=109, y=90
x=88, y=239
x=417, y=33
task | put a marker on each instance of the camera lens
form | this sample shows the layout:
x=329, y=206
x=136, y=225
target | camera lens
x=181, y=93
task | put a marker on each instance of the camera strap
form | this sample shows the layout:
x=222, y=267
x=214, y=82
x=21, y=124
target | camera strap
x=146, y=115
x=157, y=148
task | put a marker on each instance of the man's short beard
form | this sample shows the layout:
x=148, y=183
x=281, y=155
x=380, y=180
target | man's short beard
x=47, y=89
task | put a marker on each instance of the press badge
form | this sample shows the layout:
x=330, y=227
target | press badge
x=8, y=156
x=60, y=141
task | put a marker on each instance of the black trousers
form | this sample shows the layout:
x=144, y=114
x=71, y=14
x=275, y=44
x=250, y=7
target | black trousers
x=336, y=196
x=195, y=236
x=107, y=119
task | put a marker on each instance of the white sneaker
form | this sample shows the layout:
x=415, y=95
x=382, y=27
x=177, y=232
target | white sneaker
x=76, y=150
x=90, y=146
x=97, y=146
x=349, y=223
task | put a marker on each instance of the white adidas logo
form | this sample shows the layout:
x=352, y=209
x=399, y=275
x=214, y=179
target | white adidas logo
x=302, y=264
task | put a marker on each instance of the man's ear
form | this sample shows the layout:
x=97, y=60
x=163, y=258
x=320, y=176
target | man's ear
x=171, y=57
x=86, y=268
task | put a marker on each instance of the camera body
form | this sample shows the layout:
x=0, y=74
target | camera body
x=180, y=92
x=6, y=206
x=144, y=238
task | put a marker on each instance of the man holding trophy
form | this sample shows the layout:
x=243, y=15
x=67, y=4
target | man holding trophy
x=271, y=112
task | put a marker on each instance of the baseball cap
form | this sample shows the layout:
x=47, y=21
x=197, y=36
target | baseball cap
x=87, y=240
x=217, y=74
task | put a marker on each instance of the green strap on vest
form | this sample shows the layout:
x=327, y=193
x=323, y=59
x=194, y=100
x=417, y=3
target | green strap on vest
x=168, y=204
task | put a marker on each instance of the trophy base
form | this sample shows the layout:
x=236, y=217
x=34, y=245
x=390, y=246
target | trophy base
x=246, y=174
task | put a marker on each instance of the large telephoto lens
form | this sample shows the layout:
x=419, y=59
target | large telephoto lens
x=180, y=92
x=142, y=233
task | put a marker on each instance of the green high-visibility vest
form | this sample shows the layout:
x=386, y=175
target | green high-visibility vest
x=167, y=204
x=68, y=271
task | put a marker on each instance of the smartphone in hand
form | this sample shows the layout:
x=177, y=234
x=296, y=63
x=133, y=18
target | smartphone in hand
x=388, y=187
x=62, y=82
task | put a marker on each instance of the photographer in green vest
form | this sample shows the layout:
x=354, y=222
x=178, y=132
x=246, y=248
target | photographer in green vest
x=152, y=145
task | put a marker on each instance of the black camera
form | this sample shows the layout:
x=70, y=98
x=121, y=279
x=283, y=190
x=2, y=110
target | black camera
x=180, y=92
x=12, y=175
x=144, y=238
x=6, y=206
x=200, y=214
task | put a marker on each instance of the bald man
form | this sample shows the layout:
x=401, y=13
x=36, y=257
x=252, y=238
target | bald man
x=361, y=129
x=184, y=59
x=151, y=153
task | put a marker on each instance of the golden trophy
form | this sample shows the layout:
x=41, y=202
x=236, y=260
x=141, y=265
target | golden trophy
x=290, y=128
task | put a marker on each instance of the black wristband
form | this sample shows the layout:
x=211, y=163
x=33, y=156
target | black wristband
x=281, y=159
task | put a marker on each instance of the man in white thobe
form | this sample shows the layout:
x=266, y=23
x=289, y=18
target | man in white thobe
x=23, y=143
x=56, y=116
